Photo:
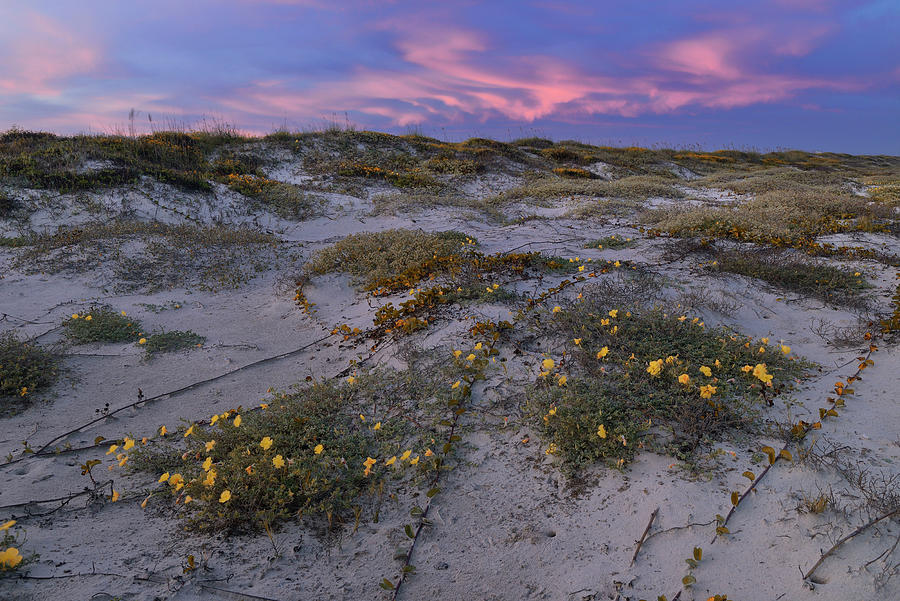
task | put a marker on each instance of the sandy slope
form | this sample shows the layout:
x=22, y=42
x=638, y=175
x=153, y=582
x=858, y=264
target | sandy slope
x=506, y=525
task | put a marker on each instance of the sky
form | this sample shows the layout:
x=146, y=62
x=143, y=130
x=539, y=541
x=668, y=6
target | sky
x=818, y=75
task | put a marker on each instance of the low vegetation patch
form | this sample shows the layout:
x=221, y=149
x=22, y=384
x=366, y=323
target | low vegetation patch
x=633, y=187
x=371, y=257
x=288, y=201
x=788, y=271
x=614, y=242
x=174, y=340
x=330, y=451
x=635, y=375
x=101, y=324
x=25, y=369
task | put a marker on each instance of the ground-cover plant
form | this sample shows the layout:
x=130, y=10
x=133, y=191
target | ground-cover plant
x=795, y=273
x=371, y=257
x=25, y=369
x=101, y=324
x=11, y=558
x=7, y=205
x=328, y=451
x=170, y=341
x=286, y=200
x=632, y=187
x=613, y=242
x=640, y=369
x=159, y=256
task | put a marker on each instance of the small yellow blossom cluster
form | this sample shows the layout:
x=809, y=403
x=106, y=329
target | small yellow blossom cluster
x=9, y=557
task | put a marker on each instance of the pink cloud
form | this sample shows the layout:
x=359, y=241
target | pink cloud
x=42, y=55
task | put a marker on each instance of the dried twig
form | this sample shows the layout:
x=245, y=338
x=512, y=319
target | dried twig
x=834, y=547
x=644, y=535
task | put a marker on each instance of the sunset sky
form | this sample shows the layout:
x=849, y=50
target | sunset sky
x=810, y=74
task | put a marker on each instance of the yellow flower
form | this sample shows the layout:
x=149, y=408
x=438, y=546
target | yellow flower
x=457, y=354
x=684, y=379
x=175, y=480
x=162, y=431
x=718, y=363
x=603, y=352
x=24, y=391
x=369, y=462
x=682, y=318
x=655, y=367
x=405, y=455
x=470, y=357
x=705, y=371
x=207, y=463
x=456, y=385
x=164, y=477
x=188, y=499
x=765, y=340
x=142, y=341
x=562, y=380
x=351, y=379
x=123, y=460
x=115, y=496
x=557, y=309
x=548, y=364
x=209, y=446
x=249, y=470
x=478, y=346
x=601, y=431
x=318, y=449
x=210, y=478
x=414, y=461
x=614, y=313
x=123, y=313
x=74, y=315
x=617, y=264
x=428, y=452
x=746, y=369
x=10, y=558
x=760, y=372
x=263, y=406
x=189, y=431
x=88, y=318
x=237, y=421
x=391, y=460
x=266, y=443
x=670, y=360
x=604, y=322
x=551, y=449
x=578, y=341
x=785, y=349
x=707, y=391
x=129, y=444
x=278, y=461
x=7, y=525
x=225, y=496
x=112, y=449
x=213, y=420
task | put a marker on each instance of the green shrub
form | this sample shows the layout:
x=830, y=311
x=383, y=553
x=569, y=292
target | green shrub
x=174, y=340
x=25, y=368
x=101, y=324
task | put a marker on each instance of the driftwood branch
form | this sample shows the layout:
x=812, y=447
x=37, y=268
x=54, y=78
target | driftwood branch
x=644, y=535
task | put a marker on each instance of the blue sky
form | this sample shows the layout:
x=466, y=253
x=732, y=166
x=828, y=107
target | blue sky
x=810, y=74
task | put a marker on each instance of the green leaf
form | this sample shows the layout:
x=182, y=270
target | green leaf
x=688, y=580
x=691, y=562
x=386, y=584
x=409, y=531
x=432, y=492
x=416, y=511
x=698, y=553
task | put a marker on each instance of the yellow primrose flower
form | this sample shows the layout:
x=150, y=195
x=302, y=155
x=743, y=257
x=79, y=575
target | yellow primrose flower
x=213, y=420
x=164, y=477
x=210, y=478
x=478, y=346
x=746, y=369
x=760, y=372
x=129, y=444
x=175, y=480
x=562, y=380
x=705, y=371
x=614, y=313
x=74, y=315
x=557, y=309
x=718, y=363
x=115, y=496
x=123, y=460
x=207, y=463
x=470, y=357
x=24, y=391
x=144, y=502
x=225, y=496
x=414, y=461
x=455, y=385
x=603, y=352
x=10, y=558
x=428, y=452
x=684, y=379
x=785, y=349
x=237, y=421
x=391, y=460
x=209, y=446
x=263, y=406
x=707, y=391
x=581, y=268
x=7, y=525
x=142, y=341
x=601, y=431
x=369, y=462
x=112, y=449
x=548, y=364
x=377, y=426
x=670, y=360
x=189, y=431
x=278, y=461
x=578, y=341
x=266, y=443
x=655, y=367
x=88, y=318
x=765, y=340
x=162, y=431
x=457, y=354
x=405, y=455
x=551, y=449
x=617, y=264
x=351, y=379
x=318, y=449
x=682, y=318
x=249, y=470
x=188, y=499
